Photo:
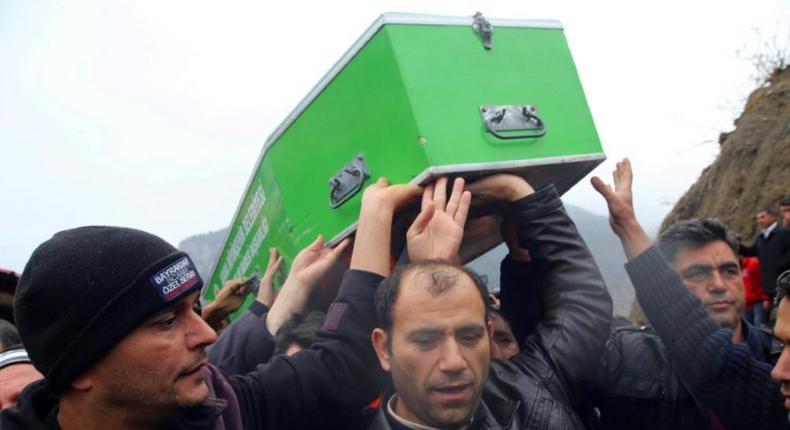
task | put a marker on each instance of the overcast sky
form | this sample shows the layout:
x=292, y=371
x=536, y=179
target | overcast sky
x=151, y=114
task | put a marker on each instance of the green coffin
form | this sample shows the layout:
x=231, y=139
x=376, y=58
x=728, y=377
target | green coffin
x=416, y=97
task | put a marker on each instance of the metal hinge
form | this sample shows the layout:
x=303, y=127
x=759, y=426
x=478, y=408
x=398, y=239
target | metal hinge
x=486, y=30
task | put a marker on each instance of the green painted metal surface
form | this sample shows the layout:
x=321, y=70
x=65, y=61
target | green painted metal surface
x=448, y=78
x=409, y=100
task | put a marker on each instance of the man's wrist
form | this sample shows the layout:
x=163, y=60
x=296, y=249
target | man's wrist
x=377, y=212
x=213, y=314
x=517, y=188
x=274, y=320
x=520, y=190
x=634, y=239
x=629, y=228
x=216, y=307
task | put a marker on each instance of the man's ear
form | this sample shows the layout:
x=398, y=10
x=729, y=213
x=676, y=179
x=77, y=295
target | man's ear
x=490, y=329
x=84, y=382
x=380, y=341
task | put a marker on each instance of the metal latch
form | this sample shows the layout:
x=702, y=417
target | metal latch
x=486, y=30
x=510, y=118
x=347, y=181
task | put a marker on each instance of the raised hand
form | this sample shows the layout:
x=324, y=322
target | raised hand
x=383, y=196
x=227, y=300
x=374, y=229
x=266, y=288
x=438, y=230
x=619, y=198
x=622, y=217
x=307, y=268
x=314, y=261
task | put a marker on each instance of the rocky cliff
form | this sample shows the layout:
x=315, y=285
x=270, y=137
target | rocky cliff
x=752, y=170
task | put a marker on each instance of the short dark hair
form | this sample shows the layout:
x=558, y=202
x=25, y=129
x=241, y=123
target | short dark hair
x=9, y=336
x=782, y=286
x=785, y=201
x=299, y=330
x=441, y=280
x=694, y=234
x=769, y=211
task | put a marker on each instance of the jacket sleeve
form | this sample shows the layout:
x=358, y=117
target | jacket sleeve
x=722, y=375
x=784, y=259
x=749, y=250
x=327, y=385
x=519, y=293
x=577, y=309
x=244, y=344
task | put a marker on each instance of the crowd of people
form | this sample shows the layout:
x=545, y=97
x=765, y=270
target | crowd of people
x=112, y=333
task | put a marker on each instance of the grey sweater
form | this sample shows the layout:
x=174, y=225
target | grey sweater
x=724, y=376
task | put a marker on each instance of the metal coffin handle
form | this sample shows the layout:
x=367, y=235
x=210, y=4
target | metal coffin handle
x=347, y=181
x=510, y=118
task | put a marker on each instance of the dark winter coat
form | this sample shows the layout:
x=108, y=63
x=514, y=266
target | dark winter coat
x=542, y=385
x=323, y=387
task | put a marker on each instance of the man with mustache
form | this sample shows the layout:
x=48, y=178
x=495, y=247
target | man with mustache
x=108, y=315
x=701, y=366
x=781, y=372
x=434, y=338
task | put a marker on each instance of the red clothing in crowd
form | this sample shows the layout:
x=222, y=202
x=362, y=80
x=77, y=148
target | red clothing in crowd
x=752, y=281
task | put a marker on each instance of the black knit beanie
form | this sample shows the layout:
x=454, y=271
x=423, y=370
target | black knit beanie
x=85, y=289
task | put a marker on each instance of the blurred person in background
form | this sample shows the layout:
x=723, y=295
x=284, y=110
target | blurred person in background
x=16, y=371
x=757, y=302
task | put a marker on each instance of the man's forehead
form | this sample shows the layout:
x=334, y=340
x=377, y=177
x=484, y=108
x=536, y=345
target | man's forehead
x=185, y=301
x=498, y=320
x=782, y=327
x=716, y=253
x=419, y=296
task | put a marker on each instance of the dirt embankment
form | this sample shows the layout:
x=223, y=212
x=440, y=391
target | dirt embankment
x=753, y=168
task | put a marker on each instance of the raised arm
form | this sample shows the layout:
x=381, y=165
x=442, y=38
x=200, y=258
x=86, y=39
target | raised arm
x=519, y=286
x=309, y=265
x=722, y=375
x=576, y=306
x=622, y=218
x=327, y=385
x=266, y=288
x=249, y=341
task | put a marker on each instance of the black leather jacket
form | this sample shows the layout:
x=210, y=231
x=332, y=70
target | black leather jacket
x=541, y=387
x=723, y=377
x=638, y=387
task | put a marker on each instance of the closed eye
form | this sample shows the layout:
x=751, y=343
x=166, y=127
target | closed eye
x=425, y=339
x=166, y=322
x=471, y=335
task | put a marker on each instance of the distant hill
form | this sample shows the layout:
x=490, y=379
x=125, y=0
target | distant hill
x=205, y=248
